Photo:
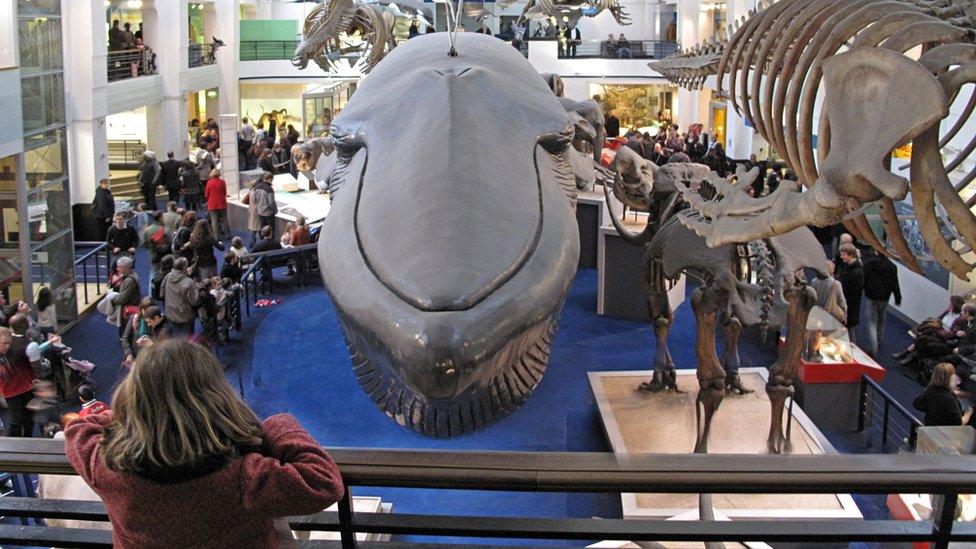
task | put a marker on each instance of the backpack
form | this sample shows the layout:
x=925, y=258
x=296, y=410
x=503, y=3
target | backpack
x=158, y=240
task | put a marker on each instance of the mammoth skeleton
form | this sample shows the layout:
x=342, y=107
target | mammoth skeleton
x=449, y=308
x=330, y=28
x=888, y=71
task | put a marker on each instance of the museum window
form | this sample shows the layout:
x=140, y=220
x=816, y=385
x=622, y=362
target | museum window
x=43, y=100
x=40, y=44
x=45, y=157
x=38, y=7
x=44, y=191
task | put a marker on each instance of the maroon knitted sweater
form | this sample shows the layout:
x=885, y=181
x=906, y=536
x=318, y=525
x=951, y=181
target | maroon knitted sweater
x=232, y=506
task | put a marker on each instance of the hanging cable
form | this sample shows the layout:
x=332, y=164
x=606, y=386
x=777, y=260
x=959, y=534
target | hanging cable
x=455, y=14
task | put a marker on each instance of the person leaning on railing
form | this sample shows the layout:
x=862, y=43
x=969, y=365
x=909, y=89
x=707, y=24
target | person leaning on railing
x=181, y=461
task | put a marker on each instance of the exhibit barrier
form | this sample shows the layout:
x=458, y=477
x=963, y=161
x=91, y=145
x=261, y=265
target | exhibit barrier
x=566, y=473
x=258, y=278
x=130, y=64
x=199, y=55
x=92, y=254
x=638, y=49
x=268, y=50
x=898, y=431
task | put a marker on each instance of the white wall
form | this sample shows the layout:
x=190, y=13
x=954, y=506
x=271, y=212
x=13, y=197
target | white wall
x=127, y=125
x=543, y=55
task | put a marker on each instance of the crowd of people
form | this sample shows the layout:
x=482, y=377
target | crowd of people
x=268, y=149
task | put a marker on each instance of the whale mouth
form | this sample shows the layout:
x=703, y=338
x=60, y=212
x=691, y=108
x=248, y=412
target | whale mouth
x=518, y=368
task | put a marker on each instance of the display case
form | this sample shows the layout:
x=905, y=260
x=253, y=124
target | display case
x=827, y=339
x=830, y=357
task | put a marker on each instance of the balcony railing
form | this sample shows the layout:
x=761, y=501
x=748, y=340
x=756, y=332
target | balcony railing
x=945, y=476
x=633, y=49
x=200, y=55
x=130, y=64
x=268, y=50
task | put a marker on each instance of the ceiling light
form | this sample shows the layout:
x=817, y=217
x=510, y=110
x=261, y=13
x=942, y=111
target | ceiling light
x=134, y=4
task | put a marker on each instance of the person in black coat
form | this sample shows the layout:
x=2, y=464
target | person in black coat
x=612, y=125
x=880, y=283
x=938, y=403
x=103, y=208
x=171, y=176
x=121, y=237
x=149, y=175
x=852, y=282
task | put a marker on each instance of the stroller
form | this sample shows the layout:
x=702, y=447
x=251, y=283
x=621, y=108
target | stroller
x=66, y=372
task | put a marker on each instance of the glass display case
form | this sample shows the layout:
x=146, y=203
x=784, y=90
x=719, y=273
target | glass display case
x=827, y=339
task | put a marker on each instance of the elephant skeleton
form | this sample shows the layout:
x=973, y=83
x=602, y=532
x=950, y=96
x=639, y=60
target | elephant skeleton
x=887, y=71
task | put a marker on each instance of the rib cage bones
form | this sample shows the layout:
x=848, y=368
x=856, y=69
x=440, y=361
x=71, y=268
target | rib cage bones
x=772, y=67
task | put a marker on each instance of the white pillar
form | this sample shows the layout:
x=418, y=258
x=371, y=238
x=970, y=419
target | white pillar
x=85, y=69
x=168, y=120
x=689, y=102
x=739, y=135
x=265, y=9
x=229, y=30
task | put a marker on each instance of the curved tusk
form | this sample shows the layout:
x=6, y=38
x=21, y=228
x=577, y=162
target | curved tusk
x=631, y=237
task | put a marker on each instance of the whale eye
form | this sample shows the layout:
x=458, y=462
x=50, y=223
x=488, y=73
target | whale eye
x=347, y=145
x=557, y=142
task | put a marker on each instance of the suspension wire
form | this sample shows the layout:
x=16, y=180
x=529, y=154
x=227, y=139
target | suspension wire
x=452, y=33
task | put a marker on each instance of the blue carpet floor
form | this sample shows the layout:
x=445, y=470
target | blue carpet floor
x=291, y=358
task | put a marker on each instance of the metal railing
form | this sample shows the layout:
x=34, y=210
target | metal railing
x=259, y=276
x=130, y=64
x=199, y=55
x=638, y=49
x=125, y=153
x=95, y=251
x=899, y=431
x=945, y=476
x=268, y=50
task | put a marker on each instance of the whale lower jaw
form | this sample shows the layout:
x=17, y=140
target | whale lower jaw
x=514, y=380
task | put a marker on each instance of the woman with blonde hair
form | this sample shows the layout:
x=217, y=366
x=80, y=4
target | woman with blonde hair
x=181, y=461
x=939, y=402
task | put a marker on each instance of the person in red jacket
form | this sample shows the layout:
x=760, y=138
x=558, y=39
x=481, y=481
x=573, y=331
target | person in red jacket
x=216, y=194
x=181, y=461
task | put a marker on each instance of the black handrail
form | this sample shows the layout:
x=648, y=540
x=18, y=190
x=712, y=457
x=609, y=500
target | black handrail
x=97, y=248
x=888, y=403
x=268, y=50
x=578, y=473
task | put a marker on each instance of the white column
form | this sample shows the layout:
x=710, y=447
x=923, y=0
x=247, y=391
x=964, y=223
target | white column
x=85, y=51
x=738, y=134
x=229, y=30
x=689, y=102
x=265, y=9
x=168, y=120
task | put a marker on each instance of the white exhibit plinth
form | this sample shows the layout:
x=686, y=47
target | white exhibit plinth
x=638, y=422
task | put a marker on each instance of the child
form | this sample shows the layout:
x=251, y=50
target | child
x=237, y=248
x=47, y=316
x=227, y=471
x=231, y=268
x=286, y=236
x=89, y=405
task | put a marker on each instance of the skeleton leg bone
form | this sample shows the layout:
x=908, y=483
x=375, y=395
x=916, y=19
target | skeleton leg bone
x=705, y=303
x=730, y=357
x=801, y=299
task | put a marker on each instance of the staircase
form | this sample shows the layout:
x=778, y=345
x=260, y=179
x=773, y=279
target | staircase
x=125, y=184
